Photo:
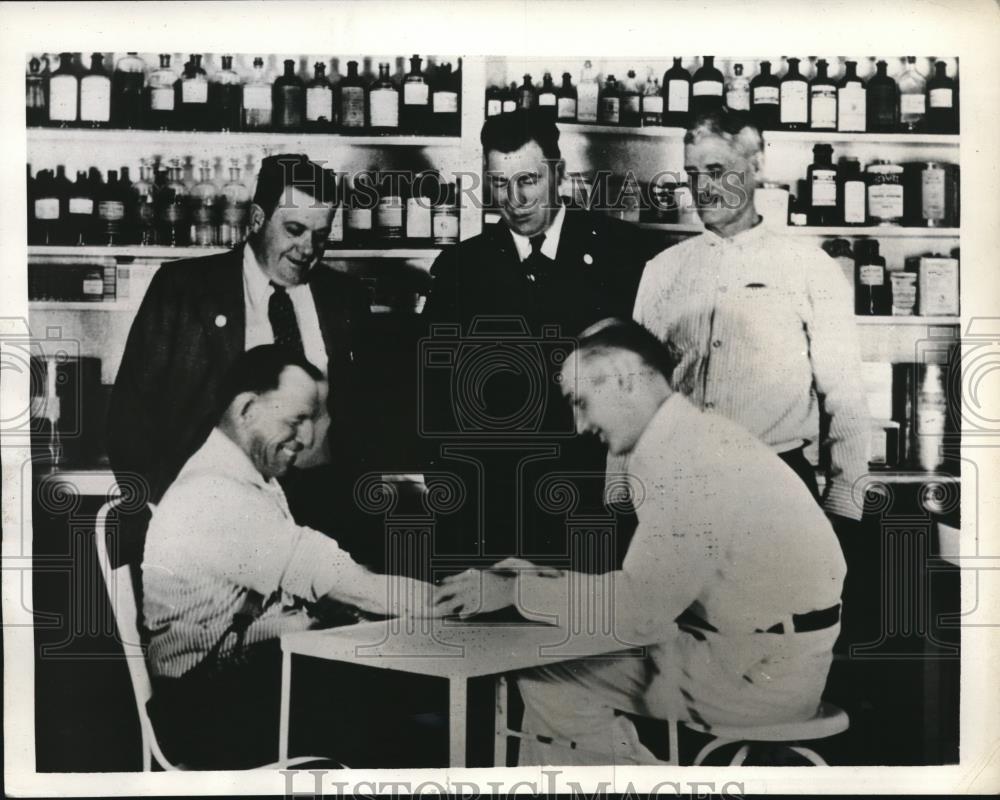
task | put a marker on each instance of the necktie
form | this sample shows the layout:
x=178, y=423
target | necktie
x=282, y=316
x=536, y=262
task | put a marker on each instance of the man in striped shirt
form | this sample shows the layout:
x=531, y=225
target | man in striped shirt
x=227, y=571
x=762, y=323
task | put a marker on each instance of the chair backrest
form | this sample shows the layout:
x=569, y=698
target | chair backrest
x=118, y=584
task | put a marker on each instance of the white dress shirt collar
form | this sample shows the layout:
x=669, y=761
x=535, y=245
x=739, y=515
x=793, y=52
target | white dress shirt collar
x=257, y=283
x=551, y=244
x=220, y=454
x=746, y=238
x=661, y=427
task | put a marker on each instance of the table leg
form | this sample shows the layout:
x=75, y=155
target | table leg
x=500, y=723
x=458, y=707
x=286, y=693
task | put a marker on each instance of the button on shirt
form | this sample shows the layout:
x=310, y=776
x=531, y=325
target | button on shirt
x=763, y=324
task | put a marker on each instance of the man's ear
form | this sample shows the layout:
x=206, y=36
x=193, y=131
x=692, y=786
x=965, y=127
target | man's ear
x=243, y=406
x=257, y=218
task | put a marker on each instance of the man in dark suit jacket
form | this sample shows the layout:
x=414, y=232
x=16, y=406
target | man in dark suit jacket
x=507, y=303
x=200, y=314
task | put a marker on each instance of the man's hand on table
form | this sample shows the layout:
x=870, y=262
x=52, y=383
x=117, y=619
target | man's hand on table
x=475, y=592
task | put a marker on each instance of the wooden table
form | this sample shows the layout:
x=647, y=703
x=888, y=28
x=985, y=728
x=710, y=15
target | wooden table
x=452, y=650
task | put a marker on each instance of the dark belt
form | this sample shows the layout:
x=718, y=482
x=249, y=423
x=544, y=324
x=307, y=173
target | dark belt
x=813, y=621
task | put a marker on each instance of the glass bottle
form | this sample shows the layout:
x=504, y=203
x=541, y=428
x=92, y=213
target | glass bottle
x=765, y=98
x=871, y=284
x=235, y=208
x=587, y=94
x=111, y=211
x=35, y=101
x=144, y=211
x=942, y=101
x=652, y=101
x=64, y=93
x=161, y=96
x=851, y=100
x=794, y=98
x=226, y=97
x=566, y=100
x=526, y=93
x=631, y=101
x=609, y=111
x=822, y=177
x=444, y=215
x=707, y=87
x=931, y=419
x=174, y=223
x=388, y=220
x=494, y=101
x=360, y=198
x=445, y=101
x=49, y=205
x=510, y=98
x=352, y=101
x=882, y=101
x=738, y=90
x=204, y=208
x=420, y=196
x=79, y=220
x=319, y=101
x=851, y=193
x=258, y=103
x=192, y=96
x=822, y=100
x=912, y=97
x=676, y=95
x=417, y=98
x=289, y=99
x=95, y=95
x=383, y=103
x=127, y=86
x=547, y=97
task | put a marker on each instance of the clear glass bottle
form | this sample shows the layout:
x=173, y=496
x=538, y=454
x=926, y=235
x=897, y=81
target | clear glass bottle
x=882, y=101
x=144, y=211
x=765, y=98
x=609, y=111
x=942, y=101
x=235, y=208
x=707, y=87
x=912, y=97
x=258, y=103
x=420, y=197
x=64, y=93
x=738, y=90
x=822, y=100
x=319, y=101
x=289, y=99
x=676, y=95
x=95, y=95
x=445, y=215
x=631, y=101
x=388, y=222
x=360, y=199
x=566, y=100
x=192, y=96
x=204, y=208
x=652, y=101
x=353, y=101
x=383, y=103
x=111, y=211
x=226, y=96
x=36, y=106
x=416, y=99
x=547, y=99
x=161, y=94
x=587, y=94
x=174, y=220
x=851, y=100
x=127, y=86
x=794, y=100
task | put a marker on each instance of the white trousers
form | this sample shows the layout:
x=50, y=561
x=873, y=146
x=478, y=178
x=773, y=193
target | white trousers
x=713, y=679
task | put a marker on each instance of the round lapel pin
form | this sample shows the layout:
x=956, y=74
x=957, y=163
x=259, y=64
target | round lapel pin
x=220, y=321
x=588, y=258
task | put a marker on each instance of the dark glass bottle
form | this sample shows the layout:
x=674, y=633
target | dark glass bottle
x=416, y=99
x=912, y=97
x=765, y=98
x=127, y=86
x=526, y=94
x=192, y=96
x=50, y=205
x=676, y=95
x=383, y=103
x=794, y=98
x=609, y=107
x=882, y=101
x=822, y=177
x=319, y=101
x=547, y=99
x=78, y=227
x=822, y=100
x=707, y=87
x=352, y=101
x=289, y=93
x=360, y=199
x=652, y=101
x=226, y=95
x=631, y=101
x=942, y=101
x=64, y=93
x=143, y=210
x=446, y=92
x=494, y=101
x=36, y=105
x=566, y=100
x=871, y=283
x=851, y=103
x=510, y=98
x=173, y=215
x=852, y=193
x=111, y=211
x=161, y=94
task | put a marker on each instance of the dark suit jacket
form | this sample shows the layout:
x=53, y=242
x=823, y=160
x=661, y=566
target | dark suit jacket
x=596, y=274
x=189, y=329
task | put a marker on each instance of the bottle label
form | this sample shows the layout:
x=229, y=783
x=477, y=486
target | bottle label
x=677, y=95
x=904, y=293
x=194, y=91
x=610, y=110
x=738, y=98
x=384, y=108
x=566, y=108
x=932, y=194
x=47, y=208
x=824, y=188
x=81, y=205
x=93, y=286
x=794, y=101
x=444, y=225
x=389, y=217
x=62, y=98
x=824, y=107
x=445, y=102
x=95, y=99
x=161, y=98
x=418, y=218
x=652, y=104
x=941, y=98
x=416, y=94
x=359, y=219
x=871, y=275
x=854, y=202
x=493, y=108
x=851, y=108
x=547, y=99
x=710, y=88
x=319, y=104
x=509, y=106
x=885, y=201
x=632, y=104
x=352, y=108
x=938, y=286
x=258, y=97
x=586, y=101
x=914, y=105
x=766, y=95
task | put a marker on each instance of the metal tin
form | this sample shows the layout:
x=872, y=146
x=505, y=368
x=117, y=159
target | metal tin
x=885, y=192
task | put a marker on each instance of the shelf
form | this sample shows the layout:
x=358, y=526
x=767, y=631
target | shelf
x=911, y=477
x=155, y=253
x=914, y=320
x=879, y=231
x=83, y=305
x=239, y=139
x=653, y=131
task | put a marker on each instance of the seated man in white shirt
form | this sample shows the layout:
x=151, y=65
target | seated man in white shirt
x=728, y=537
x=227, y=571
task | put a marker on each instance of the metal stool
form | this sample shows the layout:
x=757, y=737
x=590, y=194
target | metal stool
x=828, y=721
